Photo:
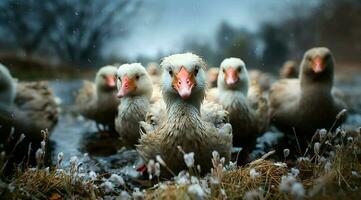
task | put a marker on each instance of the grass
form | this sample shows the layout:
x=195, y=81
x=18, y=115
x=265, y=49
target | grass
x=335, y=173
x=42, y=184
x=330, y=169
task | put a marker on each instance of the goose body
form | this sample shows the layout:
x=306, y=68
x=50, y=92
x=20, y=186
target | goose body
x=28, y=106
x=183, y=87
x=289, y=70
x=135, y=91
x=98, y=101
x=264, y=79
x=307, y=103
x=247, y=108
x=25, y=108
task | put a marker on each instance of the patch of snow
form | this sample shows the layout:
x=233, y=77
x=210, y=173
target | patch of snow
x=197, y=190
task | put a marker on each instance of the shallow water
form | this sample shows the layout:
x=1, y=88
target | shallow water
x=75, y=135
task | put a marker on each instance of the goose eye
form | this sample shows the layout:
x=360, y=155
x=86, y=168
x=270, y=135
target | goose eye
x=170, y=72
x=137, y=77
x=328, y=56
x=196, y=71
x=239, y=69
x=224, y=71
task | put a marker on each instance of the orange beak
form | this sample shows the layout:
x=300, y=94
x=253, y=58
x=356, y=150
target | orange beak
x=110, y=81
x=231, y=76
x=318, y=65
x=128, y=85
x=184, y=82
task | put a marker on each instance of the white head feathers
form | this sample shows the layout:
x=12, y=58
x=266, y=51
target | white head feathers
x=232, y=62
x=235, y=69
x=138, y=77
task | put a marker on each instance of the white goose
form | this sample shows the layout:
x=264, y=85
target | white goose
x=247, y=107
x=183, y=88
x=135, y=91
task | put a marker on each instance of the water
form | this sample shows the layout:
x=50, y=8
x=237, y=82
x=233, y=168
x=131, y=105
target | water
x=77, y=136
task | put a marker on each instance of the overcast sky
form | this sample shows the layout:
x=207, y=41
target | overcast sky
x=163, y=24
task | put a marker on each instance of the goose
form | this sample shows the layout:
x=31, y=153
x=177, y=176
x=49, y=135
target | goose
x=308, y=103
x=25, y=108
x=212, y=74
x=7, y=87
x=154, y=72
x=289, y=70
x=245, y=103
x=99, y=101
x=135, y=92
x=264, y=79
x=183, y=88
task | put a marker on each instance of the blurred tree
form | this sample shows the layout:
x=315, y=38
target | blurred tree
x=275, y=50
x=203, y=48
x=339, y=27
x=76, y=31
x=83, y=30
x=332, y=23
x=235, y=42
x=26, y=22
x=225, y=35
x=244, y=47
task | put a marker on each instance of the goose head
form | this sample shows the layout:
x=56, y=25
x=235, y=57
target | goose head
x=7, y=86
x=183, y=78
x=105, y=79
x=233, y=75
x=133, y=80
x=317, y=65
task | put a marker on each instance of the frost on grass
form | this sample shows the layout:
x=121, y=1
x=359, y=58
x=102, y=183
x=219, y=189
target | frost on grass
x=331, y=164
x=189, y=159
x=197, y=190
x=117, y=180
x=253, y=173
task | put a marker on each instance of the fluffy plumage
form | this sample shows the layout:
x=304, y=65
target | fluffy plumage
x=245, y=103
x=135, y=91
x=289, y=70
x=28, y=108
x=98, y=101
x=264, y=79
x=212, y=74
x=307, y=103
x=183, y=87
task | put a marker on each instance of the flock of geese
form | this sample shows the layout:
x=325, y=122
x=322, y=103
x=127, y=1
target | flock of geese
x=178, y=111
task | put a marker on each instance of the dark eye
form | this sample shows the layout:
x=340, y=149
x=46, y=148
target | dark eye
x=224, y=71
x=170, y=72
x=239, y=69
x=137, y=77
x=328, y=56
x=196, y=71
